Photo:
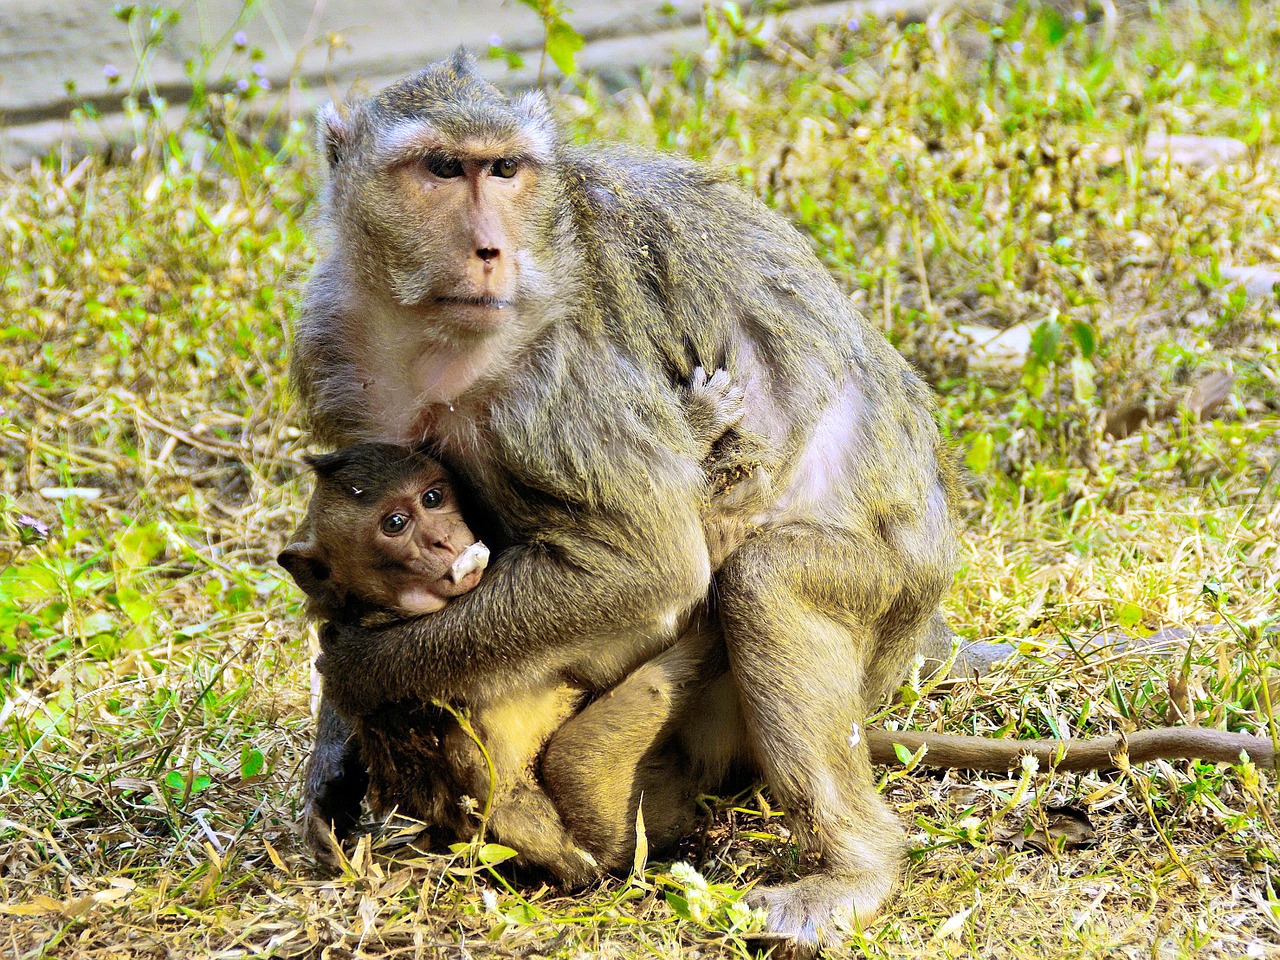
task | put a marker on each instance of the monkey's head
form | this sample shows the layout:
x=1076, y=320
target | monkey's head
x=383, y=529
x=441, y=197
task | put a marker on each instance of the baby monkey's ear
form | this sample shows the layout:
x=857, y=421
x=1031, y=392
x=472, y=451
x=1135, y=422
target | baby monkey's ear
x=307, y=563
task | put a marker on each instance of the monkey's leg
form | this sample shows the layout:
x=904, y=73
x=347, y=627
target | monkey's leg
x=335, y=784
x=806, y=612
x=525, y=819
x=521, y=815
x=620, y=748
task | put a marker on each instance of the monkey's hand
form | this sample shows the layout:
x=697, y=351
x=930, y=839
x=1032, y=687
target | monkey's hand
x=714, y=405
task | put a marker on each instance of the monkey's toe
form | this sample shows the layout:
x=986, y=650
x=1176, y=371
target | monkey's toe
x=817, y=911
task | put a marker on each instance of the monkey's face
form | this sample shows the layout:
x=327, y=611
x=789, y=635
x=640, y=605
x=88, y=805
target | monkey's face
x=469, y=197
x=384, y=527
x=439, y=195
x=411, y=538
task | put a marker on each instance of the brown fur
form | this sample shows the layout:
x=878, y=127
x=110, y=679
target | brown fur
x=416, y=757
x=559, y=403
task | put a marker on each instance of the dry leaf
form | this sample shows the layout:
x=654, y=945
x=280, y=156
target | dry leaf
x=952, y=925
x=1180, y=701
x=642, y=842
x=1209, y=393
x=1204, y=399
x=36, y=906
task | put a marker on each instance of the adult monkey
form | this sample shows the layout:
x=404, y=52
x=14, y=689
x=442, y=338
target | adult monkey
x=529, y=309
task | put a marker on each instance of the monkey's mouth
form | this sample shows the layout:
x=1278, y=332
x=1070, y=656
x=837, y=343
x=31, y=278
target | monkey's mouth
x=487, y=303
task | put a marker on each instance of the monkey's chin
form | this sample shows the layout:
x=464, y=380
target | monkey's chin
x=481, y=314
x=417, y=600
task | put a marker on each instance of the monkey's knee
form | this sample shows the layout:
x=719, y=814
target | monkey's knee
x=593, y=801
x=526, y=820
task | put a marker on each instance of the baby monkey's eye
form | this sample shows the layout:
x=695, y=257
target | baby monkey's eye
x=504, y=168
x=433, y=498
x=444, y=166
x=395, y=524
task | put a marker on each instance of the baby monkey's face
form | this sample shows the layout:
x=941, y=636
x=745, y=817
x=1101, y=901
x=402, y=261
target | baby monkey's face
x=384, y=527
x=413, y=537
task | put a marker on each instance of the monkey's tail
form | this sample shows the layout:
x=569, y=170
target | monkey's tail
x=954, y=751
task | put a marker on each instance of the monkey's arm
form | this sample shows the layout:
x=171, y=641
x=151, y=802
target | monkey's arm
x=590, y=595
x=335, y=784
x=1095, y=753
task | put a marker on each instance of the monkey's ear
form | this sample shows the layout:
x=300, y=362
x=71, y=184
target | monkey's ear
x=463, y=62
x=305, y=562
x=333, y=132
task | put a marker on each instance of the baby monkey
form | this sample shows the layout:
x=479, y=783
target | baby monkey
x=384, y=538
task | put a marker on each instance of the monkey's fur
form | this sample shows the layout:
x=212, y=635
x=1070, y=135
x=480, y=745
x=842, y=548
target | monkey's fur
x=423, y=763
x=548, y=376
x=529, y=309
x=355, y=565
x=418, y=758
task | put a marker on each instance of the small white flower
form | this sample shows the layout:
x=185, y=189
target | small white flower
x=1016, y=47
x=495, y=40
x=242, y=85
x=688, y=876
x=490, y=900
x=111, y=72
x=1078, y=16
x=241, y=39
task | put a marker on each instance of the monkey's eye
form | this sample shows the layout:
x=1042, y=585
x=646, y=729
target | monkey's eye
x=444, y=166
x=433, y=498
x=504, y=168
x=395, y=524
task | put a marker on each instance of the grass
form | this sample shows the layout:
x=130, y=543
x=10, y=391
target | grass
x=155, y=716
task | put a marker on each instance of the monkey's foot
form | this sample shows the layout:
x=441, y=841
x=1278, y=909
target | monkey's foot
x=817, y=911
x=571, y=865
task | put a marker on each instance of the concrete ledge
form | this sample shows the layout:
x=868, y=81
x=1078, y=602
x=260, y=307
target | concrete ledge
x=48, y=47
